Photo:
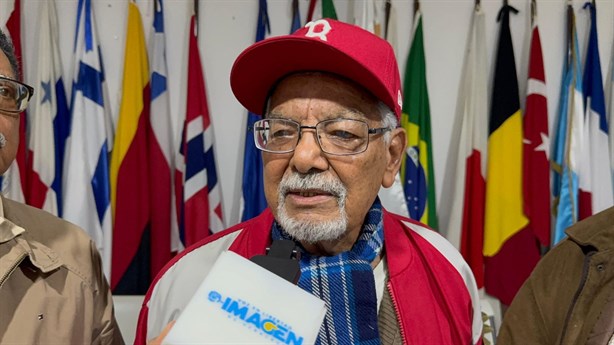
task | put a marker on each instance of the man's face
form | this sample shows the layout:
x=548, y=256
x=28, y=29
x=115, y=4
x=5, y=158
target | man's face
x=9, y=123
x=317, y=196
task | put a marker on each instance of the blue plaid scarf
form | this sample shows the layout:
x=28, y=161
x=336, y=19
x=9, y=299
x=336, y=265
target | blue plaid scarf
x=346, y=283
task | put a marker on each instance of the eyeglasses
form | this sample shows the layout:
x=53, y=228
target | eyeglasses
x=14, y=95
x=342, y=137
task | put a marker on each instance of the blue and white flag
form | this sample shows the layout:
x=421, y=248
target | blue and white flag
x=598, y=195
x=253, y=201
x=86, y=165
x=569, y=132
x=49, y=118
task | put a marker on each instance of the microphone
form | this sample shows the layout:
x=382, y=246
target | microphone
x=282, y=258
x=245, y=301
x=2, y=140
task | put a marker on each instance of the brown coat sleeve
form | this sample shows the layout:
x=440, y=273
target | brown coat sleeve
x=537, y=314
x=106, y=331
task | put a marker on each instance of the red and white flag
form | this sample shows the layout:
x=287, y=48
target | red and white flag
x=161, y=150
x=536, y=164
x=200, y=213
x=462, y=212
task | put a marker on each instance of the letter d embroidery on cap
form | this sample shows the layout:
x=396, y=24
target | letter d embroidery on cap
x=323, y=27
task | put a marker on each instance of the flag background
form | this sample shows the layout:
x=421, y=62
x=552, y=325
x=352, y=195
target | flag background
x=597, y=131
x=253, y=200
x=506, y=258
x=85, y=183
x=536, y=147
x=164, y=227
x=417, y=169
x=200, y=212
x=49, y=120
x=568, y=141
x=464, y=185
x=236, y=20
x=129, y=171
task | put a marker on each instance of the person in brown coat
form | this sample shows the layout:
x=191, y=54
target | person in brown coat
x=52, y=287
x=569, y=298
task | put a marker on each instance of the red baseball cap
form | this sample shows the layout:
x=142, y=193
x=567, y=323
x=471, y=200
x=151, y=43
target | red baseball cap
x=324, y=45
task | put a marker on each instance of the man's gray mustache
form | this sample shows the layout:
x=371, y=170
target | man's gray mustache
x=311, y=182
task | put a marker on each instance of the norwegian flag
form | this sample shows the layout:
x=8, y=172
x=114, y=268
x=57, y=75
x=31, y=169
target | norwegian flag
x=200, y=214
x=13, y=182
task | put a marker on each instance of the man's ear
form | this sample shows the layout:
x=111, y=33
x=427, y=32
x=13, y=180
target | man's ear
x=396, y=149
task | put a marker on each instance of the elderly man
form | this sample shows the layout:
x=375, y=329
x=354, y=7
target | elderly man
x=331, y=98
x=52, y=288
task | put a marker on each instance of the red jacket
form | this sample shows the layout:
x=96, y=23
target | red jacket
x=432, y=288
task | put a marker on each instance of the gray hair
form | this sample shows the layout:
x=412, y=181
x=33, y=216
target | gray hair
x=389, y=119
x=8, y=49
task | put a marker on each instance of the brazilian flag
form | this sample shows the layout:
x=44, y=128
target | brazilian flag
x=328, y=9
x=417, y=171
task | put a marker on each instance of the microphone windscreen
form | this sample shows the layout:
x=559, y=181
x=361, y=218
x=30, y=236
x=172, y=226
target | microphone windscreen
x=240, y=302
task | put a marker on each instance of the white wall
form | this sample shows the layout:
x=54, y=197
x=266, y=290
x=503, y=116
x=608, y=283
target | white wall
x=228, y=26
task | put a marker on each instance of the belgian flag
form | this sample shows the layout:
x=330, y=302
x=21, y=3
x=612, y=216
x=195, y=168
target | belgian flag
x=504, y=237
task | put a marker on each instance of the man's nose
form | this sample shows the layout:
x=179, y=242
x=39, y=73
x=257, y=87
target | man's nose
x=308, y=155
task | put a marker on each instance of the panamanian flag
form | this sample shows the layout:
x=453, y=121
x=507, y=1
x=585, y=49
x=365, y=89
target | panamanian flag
x=49, y=119
x=85, y=186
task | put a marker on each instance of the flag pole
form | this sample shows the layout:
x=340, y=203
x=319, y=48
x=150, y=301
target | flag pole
x=387, y=16
x=533, y=11
x=570, y=38
x=196, y=22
